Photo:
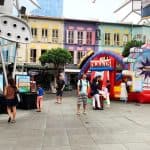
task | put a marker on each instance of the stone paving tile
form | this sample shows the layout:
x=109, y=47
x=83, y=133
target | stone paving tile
x=57, y=127
x=6, y=147
x=55, y=140
x=137, y=146
x=81, y=140
x=77, y=131
x=106, y=139
x=55, y=131
x=85, y=147
x=25, y=148
x=112, y=147
x=57, y=148
x=29, y=142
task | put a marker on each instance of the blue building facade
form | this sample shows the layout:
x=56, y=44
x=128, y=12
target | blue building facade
x=50, y=8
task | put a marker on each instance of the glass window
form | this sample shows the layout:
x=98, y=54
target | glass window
x=70, y=37
x=72, y=54
x=80, y=37
x=80, y=55
x=55, y=35
x=107, y=38
x=89, y=38
x=33, y=55
x=44, y=32
x=98, y=34
x=125, y=39
x=34, y=32
x=43, y=51
x=116, y=39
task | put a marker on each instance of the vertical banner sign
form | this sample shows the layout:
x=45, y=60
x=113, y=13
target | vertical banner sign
x=145, y=8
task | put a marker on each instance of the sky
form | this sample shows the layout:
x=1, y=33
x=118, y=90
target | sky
x=102, y=10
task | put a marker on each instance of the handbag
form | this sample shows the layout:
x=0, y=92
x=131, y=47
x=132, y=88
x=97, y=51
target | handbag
x=18, y=97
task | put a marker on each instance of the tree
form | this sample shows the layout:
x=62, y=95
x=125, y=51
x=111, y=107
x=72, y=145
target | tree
x=129, y=45
x=59, y=57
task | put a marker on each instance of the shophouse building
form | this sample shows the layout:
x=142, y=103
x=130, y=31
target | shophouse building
x=141, y=33
x=80, y=36
x=47, y=33
x=114, y=36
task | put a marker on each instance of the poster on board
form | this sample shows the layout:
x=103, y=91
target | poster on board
x=137, y=84
x=23, y=83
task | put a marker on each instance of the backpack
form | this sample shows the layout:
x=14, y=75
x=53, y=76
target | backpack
x=80, y=86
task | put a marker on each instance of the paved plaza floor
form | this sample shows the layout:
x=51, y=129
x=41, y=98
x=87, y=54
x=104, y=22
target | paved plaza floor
x=57, y=127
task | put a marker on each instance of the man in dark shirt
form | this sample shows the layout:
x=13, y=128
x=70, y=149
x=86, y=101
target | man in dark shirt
x=59, y=89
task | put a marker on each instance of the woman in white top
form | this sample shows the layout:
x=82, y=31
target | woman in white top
x=124, y=93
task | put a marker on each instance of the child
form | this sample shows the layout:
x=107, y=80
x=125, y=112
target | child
x=106, y=96
x=124, y=92
x=39, y=102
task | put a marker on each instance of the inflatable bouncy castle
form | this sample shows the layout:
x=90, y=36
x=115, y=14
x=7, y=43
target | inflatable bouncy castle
x=113, y=67
x=106, y=63
x=139, y=70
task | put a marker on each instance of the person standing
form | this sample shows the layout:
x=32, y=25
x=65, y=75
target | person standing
x=107, y=92
x=11, y=101
x=59, y=89
x=39, y=101
x=95, y=93
x=82, y=92
x=124, y=93
x=101, y=92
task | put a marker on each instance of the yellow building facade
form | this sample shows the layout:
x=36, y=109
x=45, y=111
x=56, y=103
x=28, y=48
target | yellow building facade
x=47, y=33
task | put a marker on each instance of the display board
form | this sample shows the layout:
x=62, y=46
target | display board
x=23, y=83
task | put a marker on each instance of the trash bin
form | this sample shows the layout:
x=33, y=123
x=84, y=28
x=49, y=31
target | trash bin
x=2, y=105
x=28, y=101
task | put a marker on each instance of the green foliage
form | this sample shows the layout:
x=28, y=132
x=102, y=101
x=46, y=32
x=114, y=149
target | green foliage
x=58, y=57
x=129, y=45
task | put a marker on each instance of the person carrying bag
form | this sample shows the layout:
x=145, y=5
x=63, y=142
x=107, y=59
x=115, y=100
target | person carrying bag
x=11, y=101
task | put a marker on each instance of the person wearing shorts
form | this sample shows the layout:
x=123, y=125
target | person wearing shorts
x=82, y=92
x=59, y=89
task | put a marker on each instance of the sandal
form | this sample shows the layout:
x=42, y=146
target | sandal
x=13, y=121
x=9, y=119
